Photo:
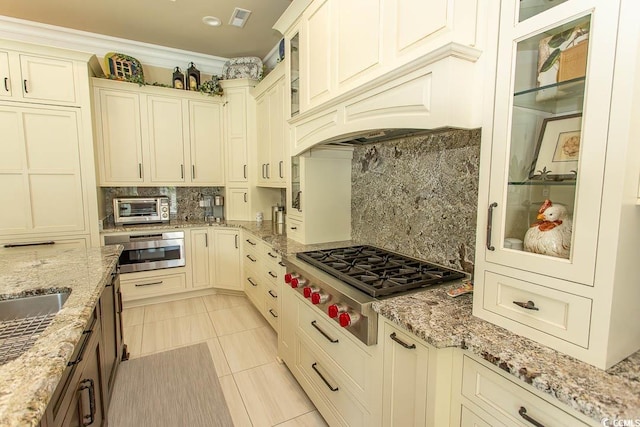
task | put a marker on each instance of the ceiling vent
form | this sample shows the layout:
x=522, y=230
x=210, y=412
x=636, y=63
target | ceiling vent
x=239, y=17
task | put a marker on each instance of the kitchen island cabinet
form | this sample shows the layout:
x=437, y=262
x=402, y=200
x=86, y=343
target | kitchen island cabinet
x=568, y=68
x=30, y=381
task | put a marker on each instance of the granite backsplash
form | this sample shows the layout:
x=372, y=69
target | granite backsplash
x=184, y=200
x=418, y=196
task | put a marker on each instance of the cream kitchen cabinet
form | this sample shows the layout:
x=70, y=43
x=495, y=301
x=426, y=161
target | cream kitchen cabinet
x=47, y=170
x=157, y=136
x=263, y=275
x=237, y=115
x=319, y=207
x=483, y=396
x=214, y=258
x=38, y=78
x=272, y=129
x=566, y=72
x=416, y=384
x=40, y=171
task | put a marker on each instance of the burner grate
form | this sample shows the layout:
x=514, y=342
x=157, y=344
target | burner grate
x=376, y=271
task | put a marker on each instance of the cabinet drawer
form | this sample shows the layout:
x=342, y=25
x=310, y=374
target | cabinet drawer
x=271, y=312
x=327, y=379
x=152, y=286
x=252, y=287
x=556, y=313
x=504, y=399
x=41, y=245
x=344, y=352
x=470, y=419
x=295, y=229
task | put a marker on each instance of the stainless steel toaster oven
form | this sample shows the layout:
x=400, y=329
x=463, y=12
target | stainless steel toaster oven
x=140, y=210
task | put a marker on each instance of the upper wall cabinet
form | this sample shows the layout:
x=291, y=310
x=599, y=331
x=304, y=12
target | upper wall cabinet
x=37, y=78
x=272, y=129
x=156, y=136
x=557, y=215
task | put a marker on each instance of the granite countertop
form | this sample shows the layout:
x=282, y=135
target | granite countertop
x=29, y=381
x=273, y=234
x=443, y=321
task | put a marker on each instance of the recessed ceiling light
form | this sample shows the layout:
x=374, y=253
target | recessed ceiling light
x=239, y=17
x=212, y=21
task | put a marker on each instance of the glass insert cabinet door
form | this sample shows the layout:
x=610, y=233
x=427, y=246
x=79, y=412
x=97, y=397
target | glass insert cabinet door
x=555, y=65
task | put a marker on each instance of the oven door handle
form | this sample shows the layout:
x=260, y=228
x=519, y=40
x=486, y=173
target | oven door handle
x=151, y=244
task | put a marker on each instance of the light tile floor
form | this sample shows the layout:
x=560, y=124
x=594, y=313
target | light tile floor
x=259, y=390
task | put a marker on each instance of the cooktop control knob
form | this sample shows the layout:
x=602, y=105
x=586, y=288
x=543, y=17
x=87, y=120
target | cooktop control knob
x=297, y=282
x=308, y=291
x=319, y=297
x=289, y=277
x=335, y=309
x=348, y=319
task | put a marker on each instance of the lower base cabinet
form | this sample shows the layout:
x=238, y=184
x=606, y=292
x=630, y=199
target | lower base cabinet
x=83, y=393
x=214, y=258
x=487, y=397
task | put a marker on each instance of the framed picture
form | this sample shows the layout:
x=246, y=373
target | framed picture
x=558, y=149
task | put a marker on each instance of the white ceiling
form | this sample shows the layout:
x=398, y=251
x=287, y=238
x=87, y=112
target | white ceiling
x=177, y=24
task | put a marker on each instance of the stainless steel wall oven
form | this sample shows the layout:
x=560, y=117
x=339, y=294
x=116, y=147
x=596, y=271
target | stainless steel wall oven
x=149, y=251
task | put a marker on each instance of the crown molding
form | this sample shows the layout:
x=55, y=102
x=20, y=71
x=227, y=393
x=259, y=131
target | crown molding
x=98, y=44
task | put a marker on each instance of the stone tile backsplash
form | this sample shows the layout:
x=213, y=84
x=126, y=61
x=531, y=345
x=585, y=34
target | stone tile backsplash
x=184, y=200
x=418, y=196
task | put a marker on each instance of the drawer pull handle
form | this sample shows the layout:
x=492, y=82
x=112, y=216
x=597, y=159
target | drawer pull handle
x=314, y=324
x=6, y=84
x=87, y=420
x=523, y=413
x=272, y=294
x=236, y=240
x=24, y=84
x=529, y=305
x=252, y=259
x=275, y=276
x=490, y=226
x=250, y=242
x=251, y=281
x=271, y=312
x=87, y=336
x=294, y=228
x=149, y=284
x=281, y=264
x=20, y=245
x=402, y=343
x=245, y=197
x=332, y=388
x=272, y=255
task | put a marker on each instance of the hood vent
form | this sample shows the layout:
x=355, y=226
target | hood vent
x=379, y=135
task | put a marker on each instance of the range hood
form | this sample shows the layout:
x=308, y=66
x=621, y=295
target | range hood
x=440, y=91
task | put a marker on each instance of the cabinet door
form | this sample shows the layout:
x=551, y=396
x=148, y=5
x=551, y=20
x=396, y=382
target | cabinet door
x=119, y=137
x=47, y=79
x=406, y=363
x=548, y=141
x=358, y=47
x=227, y=259
x=238, y=207
x=263, y=133
x=166, y=139
x=206, y=139
x=236, y=120
x=278, y=133
x=199, y=259
x=5, y=75
x=316, y=62
x=40, y=171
